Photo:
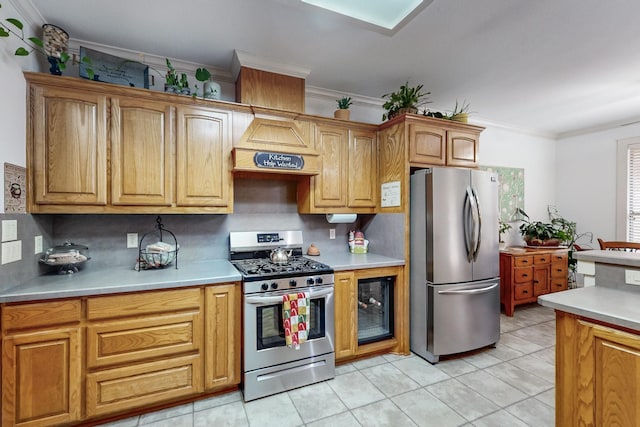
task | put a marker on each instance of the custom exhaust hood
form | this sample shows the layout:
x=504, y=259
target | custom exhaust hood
x=273, y=143
x=276, y=146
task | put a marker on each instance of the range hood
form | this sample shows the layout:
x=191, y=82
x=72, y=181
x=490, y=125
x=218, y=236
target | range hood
x=276, y=146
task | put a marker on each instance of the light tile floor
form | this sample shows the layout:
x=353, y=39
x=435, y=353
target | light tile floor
x=509, y=385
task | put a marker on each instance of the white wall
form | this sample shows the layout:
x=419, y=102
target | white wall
x=13, y=105
x=586, y=187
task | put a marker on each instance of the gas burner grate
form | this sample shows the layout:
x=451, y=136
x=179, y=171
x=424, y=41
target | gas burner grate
x=264, y=267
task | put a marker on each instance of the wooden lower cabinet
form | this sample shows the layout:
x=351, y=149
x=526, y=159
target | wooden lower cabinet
x=41, y=364
x=117, y=353
x=597, y=373
x=346, y=314
x=525, y=274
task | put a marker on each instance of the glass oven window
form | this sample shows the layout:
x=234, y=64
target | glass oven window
x=271, y=330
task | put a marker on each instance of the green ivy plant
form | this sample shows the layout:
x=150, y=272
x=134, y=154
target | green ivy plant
x=34, y=44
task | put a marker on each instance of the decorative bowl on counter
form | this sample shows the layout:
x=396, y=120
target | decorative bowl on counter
x=67, y=258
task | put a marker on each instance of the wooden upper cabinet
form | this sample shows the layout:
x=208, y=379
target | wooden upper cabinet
x=363, y=169
x=462, y=148
x=330, y=186
x=67, y=144
x=427, y=144
x=348, y=178
x=141, y=152
x=203, y=158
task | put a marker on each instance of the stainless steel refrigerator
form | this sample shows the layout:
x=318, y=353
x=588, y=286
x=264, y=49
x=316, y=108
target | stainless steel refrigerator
x=454, y=261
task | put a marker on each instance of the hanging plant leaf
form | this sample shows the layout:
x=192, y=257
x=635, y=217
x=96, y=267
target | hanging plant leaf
x=3, y=32
x=15, y=23
x=22, y=52
x=36, y=41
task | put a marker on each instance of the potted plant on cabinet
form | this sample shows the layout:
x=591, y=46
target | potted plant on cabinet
x=405, y=100
x=503, y=228
x=538, y=233
x=343, y=108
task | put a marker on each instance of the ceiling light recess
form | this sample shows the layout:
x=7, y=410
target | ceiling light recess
x=383, y=13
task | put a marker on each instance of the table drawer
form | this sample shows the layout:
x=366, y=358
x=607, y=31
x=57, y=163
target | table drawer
x=558, y=285
x=523, y=291
x=523, y=274
x=559, y=270
x=541, y=259
x=523, y=261
x=563, y=257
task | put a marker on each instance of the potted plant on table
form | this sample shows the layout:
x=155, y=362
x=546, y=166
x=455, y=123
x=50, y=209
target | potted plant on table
x=538, y=233
x=406, y=100
x=343, y=108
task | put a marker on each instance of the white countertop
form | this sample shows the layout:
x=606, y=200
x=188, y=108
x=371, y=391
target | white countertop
x=630, y=259
x=102, y=281
x=614, y=306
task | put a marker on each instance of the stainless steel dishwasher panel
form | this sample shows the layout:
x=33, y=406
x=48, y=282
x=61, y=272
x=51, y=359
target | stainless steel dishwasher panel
x=462, y=317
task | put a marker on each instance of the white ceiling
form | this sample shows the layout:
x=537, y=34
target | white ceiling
x=554, y=67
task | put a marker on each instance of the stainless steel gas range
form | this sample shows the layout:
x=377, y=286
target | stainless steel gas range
x=272, y=266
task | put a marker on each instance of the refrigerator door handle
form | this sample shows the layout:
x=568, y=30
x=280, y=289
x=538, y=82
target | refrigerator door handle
x=470, y=291
x=465, y=224
x=473, y=240
x=479, y=225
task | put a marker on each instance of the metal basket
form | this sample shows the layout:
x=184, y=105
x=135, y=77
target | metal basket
x=154, y=252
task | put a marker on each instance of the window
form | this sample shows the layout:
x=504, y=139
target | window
x=628, y=185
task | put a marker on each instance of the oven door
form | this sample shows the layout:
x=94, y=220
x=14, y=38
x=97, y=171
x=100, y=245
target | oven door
x=264, y=343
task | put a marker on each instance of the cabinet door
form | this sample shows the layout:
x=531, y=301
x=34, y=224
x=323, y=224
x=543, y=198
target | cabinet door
x=462, y=149
x=41, y=378
x=427, y=145
x=203, y=158
x=363, y=169
x=69, y=146
x=330, y=186
x=346, y=322
x=141, y=152
x=540, y=280
x=222, y=336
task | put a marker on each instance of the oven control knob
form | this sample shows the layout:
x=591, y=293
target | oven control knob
x=264, y=287
x=274, y=285
x=293, y=283
x=310, y=281
x=319, y=281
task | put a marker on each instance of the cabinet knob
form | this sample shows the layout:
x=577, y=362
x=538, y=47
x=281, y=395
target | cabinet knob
x=536, y=281
x=525, y=292
x=525, y=275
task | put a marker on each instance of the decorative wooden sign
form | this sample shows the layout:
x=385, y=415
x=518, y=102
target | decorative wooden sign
x=269, y=160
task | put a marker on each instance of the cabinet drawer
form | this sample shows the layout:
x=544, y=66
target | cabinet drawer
x=129, y=387
x=34, y=315
x=558, y=285
x=559, y=270
x=523, y=261
x=541, y=259
x=134, y=340
x=142, y=303
x=563, y=257
x=524, y=291
x=523, y=274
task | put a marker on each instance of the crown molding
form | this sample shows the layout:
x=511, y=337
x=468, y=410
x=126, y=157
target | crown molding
x=245, y=59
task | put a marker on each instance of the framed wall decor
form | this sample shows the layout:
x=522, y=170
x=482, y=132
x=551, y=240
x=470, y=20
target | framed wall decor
x=112, y=69
x=15, y=189
x=511, y=191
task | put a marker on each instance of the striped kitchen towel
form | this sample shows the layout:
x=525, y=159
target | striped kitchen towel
x=295, y=311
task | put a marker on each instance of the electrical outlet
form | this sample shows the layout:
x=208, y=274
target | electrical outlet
x=332, y=233
x=37, y=244
x=132, y=240
x=632, y=277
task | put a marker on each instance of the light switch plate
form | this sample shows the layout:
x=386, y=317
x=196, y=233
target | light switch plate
x=9, y=230
x=132, y=240
x=332, y=233
x=37, y=244
x=11, y=251
x=632, y=277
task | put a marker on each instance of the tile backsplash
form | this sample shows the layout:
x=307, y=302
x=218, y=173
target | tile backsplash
x=259, y=204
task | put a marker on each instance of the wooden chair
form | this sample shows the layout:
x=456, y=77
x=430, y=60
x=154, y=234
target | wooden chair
x=619, y=246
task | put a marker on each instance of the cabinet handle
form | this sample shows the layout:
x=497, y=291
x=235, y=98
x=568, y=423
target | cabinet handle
x=536, y=281
x=525, y=292
x=525, y=275
x=524, y=261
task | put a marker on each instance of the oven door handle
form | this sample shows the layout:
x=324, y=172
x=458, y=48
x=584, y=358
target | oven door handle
x=262, y=300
